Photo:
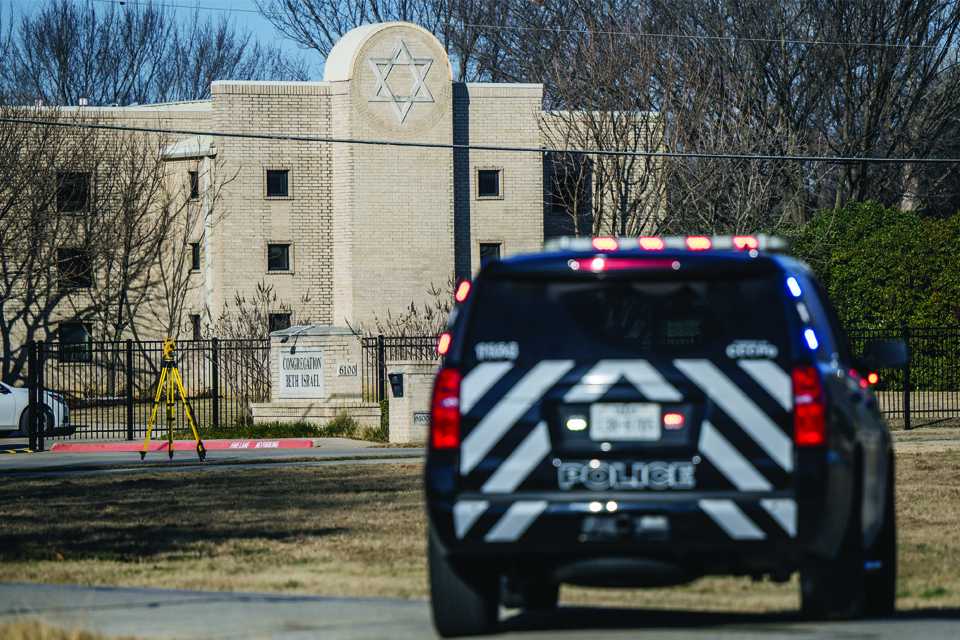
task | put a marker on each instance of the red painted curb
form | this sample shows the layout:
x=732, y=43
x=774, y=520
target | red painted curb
x=180, y=445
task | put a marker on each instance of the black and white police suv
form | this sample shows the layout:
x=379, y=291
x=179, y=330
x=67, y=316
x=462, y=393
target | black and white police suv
x=643, y=412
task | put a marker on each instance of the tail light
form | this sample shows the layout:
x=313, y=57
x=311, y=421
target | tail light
x=809, y=408
x=445, y=410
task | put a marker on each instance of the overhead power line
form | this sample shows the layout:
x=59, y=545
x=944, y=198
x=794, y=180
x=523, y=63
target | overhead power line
x=169, y=5
x=604, y=32
x=293, y=137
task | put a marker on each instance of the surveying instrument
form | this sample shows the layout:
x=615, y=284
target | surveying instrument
x=170, y=384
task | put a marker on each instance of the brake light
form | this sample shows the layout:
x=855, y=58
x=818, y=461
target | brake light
x=652, y=244
x=745, y=242
x=605, y=244
x=673, y=420
x=443, y=343
x=463, y=290
x=601, y=263
x=445, y=410
x=809, y=408
x=698, y=243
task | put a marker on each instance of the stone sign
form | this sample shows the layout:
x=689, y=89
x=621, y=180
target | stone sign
x=301, y=373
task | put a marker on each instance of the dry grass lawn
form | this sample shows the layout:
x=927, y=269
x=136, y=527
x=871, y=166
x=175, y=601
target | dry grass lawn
x=359, y=531
x=35, y=630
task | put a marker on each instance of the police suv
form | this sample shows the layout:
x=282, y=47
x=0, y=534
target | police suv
x=646, y=411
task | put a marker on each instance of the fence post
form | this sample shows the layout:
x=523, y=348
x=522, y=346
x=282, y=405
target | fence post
x=215, y=381
x=39, y=417
x=34, y=394
x=129, y=376
x=381, y=369
x=906, y=380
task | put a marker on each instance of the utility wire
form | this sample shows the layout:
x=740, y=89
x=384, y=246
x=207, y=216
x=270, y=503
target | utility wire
x=480, y=147
x=632, y=34
x=144, y=3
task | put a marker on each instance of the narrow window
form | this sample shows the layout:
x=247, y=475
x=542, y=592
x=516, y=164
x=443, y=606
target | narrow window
x=488, y=183
x=73, y=192
x=195, y=256
x=278, y=257
x=279, y=321
x=195, y=326
x=74, y=269
x=74, y=340
x=194, y=185
x=278, y=183
x=489, y=252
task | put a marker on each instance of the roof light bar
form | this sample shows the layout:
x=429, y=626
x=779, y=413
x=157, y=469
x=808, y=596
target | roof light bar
x=758, y=242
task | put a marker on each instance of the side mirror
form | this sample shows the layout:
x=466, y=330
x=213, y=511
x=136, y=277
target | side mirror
x=886, y=354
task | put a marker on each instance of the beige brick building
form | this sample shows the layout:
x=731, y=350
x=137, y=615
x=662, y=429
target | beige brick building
x=358, y=229
x=363, y=229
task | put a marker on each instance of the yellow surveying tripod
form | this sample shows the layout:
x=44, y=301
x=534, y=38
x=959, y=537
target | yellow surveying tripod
x=171, y=382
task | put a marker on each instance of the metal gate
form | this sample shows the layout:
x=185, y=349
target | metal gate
x=108, y=387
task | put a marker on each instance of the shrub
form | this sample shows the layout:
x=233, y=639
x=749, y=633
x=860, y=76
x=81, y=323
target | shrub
x=883, y=267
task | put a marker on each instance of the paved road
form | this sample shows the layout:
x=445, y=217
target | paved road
x=51, y=464
x=190, y=615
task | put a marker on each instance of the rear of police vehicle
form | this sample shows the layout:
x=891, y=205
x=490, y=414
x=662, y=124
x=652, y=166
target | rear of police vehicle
x=630, y=413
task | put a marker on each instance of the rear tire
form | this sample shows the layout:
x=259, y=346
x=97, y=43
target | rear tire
x=464, y=598
x=835, y=589
x=880, y=578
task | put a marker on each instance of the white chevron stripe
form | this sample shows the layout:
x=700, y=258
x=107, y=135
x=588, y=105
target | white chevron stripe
x=784, y=511
x=516, y=520
x=738, y=406
x=772, y=378
x=606, y=373
x=729, y=461
x=511, y=407
x=732, y=520
x=476, y=383
x=465, y=513
x=521, y=462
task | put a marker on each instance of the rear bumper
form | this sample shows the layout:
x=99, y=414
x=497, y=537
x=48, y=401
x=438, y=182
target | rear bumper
x=700, y=533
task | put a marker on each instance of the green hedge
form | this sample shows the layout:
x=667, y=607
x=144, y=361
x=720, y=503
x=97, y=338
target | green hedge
x=883, y=267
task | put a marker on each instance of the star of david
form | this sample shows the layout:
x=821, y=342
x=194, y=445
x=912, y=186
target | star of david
x=418, y=67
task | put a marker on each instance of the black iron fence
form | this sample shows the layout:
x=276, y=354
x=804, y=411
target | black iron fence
x=378, y=350
x=928, y=388
x=109, y=387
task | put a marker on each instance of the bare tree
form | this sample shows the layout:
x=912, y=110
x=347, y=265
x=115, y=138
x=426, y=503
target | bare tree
x=190, y=222
x=462, y=26
x=46, y=234
x=136, y=53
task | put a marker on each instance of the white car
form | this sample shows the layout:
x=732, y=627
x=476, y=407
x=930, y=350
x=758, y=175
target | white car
x=14, y=417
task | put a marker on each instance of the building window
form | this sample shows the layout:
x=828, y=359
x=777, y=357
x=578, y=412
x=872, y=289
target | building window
x=194, y=185
x=278, y=257
x=73, y=192
x=195, y=326
x=74, y=342
x=74, y=268
x=195, y=256
x=489, y=252
x=489, y=183
x=278, y=183
x=279, y=321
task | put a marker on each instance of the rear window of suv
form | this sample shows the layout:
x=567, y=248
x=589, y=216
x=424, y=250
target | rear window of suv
x=532, y=320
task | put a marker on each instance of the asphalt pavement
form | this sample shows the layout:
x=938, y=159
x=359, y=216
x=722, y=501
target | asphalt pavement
x=193, y=615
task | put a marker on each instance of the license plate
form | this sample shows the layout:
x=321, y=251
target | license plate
x=625, y=421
